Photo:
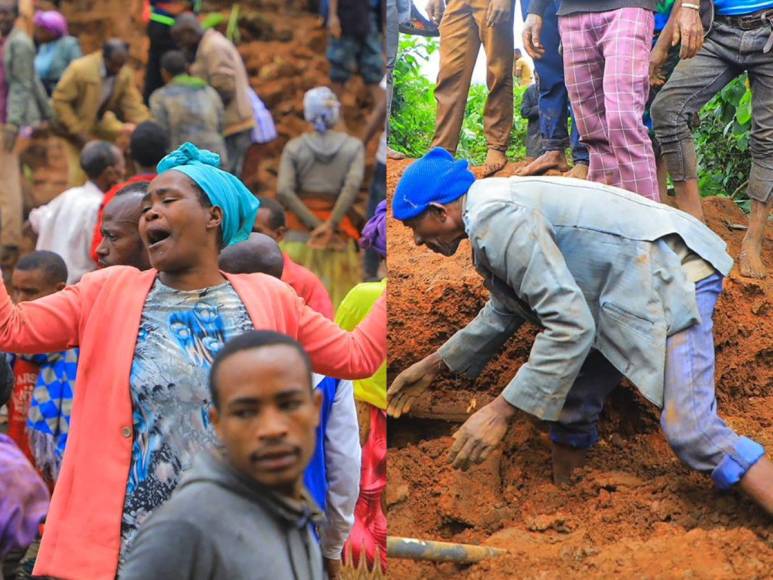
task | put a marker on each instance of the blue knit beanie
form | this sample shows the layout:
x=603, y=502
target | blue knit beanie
x=435, y=178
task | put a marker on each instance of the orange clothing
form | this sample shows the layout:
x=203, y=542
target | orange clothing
x=308, y=286
x=101, y=315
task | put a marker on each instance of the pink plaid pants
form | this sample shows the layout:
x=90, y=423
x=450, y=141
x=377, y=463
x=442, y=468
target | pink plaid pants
x=606, y=67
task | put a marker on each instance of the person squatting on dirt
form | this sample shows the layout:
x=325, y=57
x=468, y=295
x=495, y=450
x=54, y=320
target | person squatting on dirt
x=320, y=174
x=740, y=39
x=129, y=440
x=619, y=284
x=243, y=511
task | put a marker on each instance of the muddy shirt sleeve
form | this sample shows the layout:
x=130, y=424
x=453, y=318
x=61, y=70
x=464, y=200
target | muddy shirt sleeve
x=522, y=251
x=472, y=347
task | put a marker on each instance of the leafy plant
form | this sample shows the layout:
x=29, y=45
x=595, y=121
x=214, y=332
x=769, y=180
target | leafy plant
x=722, y=143
x=412, y=123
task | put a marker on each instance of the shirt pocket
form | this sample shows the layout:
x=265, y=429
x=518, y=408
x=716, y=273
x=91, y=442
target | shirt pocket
x=629, y=321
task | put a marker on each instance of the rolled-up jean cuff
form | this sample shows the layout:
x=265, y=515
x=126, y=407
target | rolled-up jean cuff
x=681, y=159
x=555, y=144
x=760, y=182
x=574, y=440
x=734, y=465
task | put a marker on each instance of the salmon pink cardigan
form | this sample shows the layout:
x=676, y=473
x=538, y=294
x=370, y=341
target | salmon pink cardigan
x=101, y=314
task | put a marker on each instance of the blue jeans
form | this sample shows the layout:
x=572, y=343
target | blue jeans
x=689, y=418
x=554, y=106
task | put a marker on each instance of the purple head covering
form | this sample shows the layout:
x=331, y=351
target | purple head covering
x=24, y=501
x=374, y=232
x=52, y=21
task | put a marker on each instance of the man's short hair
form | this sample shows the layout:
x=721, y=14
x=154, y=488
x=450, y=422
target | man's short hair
x=114, y=45
x=277, y=211
x=50, y=263
x=187, y=21
x=174, y=62
x=96, y=157
x=258, y=254
x=252, y=340
x=149, y=144
x=140, y=187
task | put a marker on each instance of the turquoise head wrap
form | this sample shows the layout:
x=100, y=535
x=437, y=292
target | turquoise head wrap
x=226, y=191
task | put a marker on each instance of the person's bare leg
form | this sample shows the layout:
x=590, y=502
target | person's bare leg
x=758, y=484
x=565, y=461
x=688, y=197
x=548, y=160
x=579, y=171
x=750, y=260
x=495, y=160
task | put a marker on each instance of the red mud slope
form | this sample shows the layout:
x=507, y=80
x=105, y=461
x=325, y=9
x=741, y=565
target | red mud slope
x=637, y=512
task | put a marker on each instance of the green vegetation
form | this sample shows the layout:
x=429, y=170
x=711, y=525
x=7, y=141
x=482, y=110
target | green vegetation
x=721, y=139
x=413, y=109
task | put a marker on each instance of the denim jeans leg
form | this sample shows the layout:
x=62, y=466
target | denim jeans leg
x=577, y=423
x=579, y=150
x=553, y=98
x=689, y=419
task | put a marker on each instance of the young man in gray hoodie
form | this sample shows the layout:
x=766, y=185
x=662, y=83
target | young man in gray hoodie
x=243, y=512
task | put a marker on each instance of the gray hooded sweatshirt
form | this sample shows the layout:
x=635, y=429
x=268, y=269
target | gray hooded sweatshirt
x=220, y=525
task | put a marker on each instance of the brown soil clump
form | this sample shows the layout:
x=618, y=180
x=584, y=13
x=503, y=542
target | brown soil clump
x=636, y=509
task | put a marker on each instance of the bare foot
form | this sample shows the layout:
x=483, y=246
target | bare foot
x=758, y=484
x=750, y=261
x=579, y=171
x=495, y=160
x=392, y=154
x=546, y=161
x=565, y=460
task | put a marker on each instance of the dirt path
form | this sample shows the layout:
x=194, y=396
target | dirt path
x=637, y=511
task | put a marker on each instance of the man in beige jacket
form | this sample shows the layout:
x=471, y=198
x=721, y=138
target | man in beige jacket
x=97, y=98
x=216, y=60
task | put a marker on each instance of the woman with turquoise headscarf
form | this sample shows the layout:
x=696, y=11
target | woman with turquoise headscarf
x=320, y=174
x=56, y=48
x=147, y=340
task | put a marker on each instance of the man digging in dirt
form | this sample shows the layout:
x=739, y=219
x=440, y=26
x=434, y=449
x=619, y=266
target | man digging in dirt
x=627, y=290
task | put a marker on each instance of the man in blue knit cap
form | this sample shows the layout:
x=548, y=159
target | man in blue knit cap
x=620, y=286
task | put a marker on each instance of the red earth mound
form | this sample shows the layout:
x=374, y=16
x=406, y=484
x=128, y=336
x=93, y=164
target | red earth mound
x=637, y=510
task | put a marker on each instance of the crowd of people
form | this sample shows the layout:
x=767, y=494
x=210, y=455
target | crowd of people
x=174, y=337
x=631, y=74
x=620, y=284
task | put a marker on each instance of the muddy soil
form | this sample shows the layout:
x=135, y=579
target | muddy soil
x=283, y=46
x=636, y=511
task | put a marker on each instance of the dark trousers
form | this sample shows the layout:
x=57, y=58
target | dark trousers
x=161, y=42
x=554, y=106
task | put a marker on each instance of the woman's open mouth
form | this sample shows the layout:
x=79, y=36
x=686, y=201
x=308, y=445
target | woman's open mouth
x=156, y=237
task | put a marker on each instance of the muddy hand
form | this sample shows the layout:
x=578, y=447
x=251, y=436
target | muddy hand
x=411, y=384
x=481, y=434
x=689, y=32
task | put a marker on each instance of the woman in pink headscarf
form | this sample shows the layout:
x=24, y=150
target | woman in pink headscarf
x=56, y=48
